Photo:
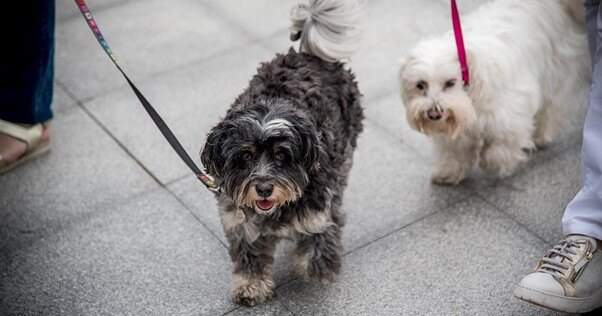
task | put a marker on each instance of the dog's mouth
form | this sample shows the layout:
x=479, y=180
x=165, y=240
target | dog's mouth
x=265, y=205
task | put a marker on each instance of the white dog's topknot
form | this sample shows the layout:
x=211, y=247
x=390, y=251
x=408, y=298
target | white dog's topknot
x=327, y=28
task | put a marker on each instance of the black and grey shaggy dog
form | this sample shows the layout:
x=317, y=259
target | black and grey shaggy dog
x=283, y=153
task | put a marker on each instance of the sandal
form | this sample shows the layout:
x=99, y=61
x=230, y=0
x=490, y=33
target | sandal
x=30, y=136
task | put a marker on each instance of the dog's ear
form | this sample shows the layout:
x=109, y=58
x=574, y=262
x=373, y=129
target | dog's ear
x=401, y=64
x=311, y=143
x=314, y=152
x=211, y=154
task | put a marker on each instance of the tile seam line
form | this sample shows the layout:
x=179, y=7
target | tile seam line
x=551, y=155
x=96, y=121
x=465, y=198
x=179, y=178
x=418, y=220
x=511, y=218
x=188, y=209
x=161, y=72
x=232, y=310
x=285, y=306
x=131, y=155
x=402, y=145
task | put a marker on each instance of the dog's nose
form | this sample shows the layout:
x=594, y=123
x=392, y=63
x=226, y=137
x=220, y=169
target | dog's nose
x=264, y=189
x=434, y=114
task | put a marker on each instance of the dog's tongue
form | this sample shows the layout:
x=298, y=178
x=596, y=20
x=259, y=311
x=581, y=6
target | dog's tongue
x=265, y=204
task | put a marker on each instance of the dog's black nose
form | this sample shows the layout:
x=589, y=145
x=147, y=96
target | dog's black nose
x=434, y=114
x=264, y=189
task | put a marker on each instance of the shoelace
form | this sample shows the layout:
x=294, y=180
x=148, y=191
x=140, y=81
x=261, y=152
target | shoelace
x=553, y=262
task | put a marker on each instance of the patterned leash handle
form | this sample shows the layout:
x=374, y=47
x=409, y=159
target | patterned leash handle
x=167, y=133
x=460, y=42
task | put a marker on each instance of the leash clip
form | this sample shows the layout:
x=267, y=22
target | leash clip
x=209, y=183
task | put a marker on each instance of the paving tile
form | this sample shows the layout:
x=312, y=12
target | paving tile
x=463, y=260
x=85, y=168
x=148, y=37
x=146, y=257
x=537, y=196
x=190, y=99
x=259, y=19
x=389, y=114
x=389, y=187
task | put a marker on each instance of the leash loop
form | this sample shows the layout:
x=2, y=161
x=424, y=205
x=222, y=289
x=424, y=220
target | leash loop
x=460, y=43
x=167, y=133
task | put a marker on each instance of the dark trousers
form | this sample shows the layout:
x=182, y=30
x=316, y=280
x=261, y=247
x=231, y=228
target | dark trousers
x=27, y=70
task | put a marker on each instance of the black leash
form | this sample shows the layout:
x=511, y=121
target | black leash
x=167, y=133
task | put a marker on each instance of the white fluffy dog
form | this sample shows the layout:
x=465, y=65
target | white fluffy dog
x=526, y=58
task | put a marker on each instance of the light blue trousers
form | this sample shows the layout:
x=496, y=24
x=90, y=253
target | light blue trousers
x=584, y=214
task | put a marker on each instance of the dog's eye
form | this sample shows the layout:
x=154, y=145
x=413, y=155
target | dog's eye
x=421, y=85
x=450, y=83
x=280, y=156
x=246, y=156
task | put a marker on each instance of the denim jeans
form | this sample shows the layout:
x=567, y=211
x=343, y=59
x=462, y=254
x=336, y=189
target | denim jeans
x=27, y=68
x=584, y=214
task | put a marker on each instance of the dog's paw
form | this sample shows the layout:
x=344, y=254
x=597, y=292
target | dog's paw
x=542, y=141
x=250, y=291
x=321, y=270
x=445, y=175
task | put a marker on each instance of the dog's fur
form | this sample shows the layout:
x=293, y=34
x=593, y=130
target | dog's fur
x=295, y=128
x=525, y=60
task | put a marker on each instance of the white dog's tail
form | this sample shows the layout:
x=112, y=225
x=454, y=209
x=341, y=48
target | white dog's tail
x=327, y=28
x=576, y=10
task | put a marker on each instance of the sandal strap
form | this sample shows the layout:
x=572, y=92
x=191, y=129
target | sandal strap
x=29, y=135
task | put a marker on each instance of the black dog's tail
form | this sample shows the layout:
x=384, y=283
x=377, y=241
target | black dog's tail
x=327, y=28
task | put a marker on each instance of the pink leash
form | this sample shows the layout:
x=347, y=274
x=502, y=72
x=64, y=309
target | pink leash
x=460, y=42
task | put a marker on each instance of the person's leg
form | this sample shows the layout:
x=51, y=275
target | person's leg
x=28, y=66
x=569, y=276
x=584, y=214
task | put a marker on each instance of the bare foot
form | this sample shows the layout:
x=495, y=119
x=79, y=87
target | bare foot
x=12, y=149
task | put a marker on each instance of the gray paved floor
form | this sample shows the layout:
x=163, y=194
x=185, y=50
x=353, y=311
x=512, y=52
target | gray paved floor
x=112, y=223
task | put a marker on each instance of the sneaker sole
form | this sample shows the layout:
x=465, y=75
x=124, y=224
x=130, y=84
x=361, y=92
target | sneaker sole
x=559, y=303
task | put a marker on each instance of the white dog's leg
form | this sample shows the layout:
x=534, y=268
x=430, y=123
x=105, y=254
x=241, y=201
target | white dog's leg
x=500, y=158
x=456, y=158
x=545, y=126
x=552, y=113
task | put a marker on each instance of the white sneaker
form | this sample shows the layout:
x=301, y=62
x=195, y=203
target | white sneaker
x=568, y=278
